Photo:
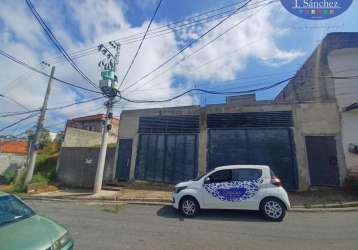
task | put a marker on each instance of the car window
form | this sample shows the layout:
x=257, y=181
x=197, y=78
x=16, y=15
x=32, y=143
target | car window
x=12, y=209
x=221, y=176
x=272, y=173
x=246, y=174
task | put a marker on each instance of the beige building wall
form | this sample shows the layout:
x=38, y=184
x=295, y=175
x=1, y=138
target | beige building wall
x=75, y=137
x=309, y=119
x=344, y=62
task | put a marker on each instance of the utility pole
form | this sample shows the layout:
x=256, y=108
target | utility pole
x=109, y=86
x=36, y=141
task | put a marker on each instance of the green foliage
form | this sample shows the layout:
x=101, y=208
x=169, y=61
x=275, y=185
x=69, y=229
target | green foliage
x=40, y=178
x=46, y=167
x=19, y=184
x=45, y=140
x=9, y=175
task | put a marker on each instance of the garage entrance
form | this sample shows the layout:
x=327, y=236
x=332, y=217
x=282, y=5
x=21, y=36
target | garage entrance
x=230, y=142
x=168, y=149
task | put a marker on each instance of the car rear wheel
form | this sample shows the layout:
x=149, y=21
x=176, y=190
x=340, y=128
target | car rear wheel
x=273, y=209
x=189, y=207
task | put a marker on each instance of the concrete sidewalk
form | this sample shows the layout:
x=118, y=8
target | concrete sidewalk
x=141, y=193
x=127, y=193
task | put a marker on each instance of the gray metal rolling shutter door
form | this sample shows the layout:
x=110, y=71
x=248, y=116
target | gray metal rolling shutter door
x=167, y=150
x=256, y=144
x=167, y=158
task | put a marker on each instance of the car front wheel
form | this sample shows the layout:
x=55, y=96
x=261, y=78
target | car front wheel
x=273, y=209
x=189, y=207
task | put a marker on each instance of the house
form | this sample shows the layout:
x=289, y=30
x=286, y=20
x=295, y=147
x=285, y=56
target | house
x=86, y=131
x=305, y=135
x=91, y=123
x=77, y=162
x=13, y=155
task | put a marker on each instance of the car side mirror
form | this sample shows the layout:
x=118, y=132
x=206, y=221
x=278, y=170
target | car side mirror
x=207, y=180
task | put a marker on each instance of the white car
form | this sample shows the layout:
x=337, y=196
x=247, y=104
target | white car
x=247, y=187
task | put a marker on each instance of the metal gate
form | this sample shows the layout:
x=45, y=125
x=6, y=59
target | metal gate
x=322, y=160
x=124, y=159
x=265, y=146
x=168, y=158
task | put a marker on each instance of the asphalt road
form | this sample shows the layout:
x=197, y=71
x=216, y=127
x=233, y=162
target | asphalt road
x=98, y=226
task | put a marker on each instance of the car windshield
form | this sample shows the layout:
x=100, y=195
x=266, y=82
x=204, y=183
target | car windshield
x=12, y=210
x=199, y=177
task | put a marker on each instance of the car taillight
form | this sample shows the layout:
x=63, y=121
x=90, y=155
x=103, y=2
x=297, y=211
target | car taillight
x=276, y=181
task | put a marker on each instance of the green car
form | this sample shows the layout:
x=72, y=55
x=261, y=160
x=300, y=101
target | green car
x=22, y=229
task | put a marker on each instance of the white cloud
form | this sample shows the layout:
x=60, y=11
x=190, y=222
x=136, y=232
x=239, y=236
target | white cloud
x=87, y=23
x=252, y=38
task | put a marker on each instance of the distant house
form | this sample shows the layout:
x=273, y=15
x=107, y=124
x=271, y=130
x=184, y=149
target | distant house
x=91, y=123
x=85, y=131
x=13, y=154
x=80, y=148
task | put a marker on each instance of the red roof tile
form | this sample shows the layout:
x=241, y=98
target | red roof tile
x=15, y=147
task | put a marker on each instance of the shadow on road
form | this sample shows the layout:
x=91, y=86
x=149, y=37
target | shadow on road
x=222, y=215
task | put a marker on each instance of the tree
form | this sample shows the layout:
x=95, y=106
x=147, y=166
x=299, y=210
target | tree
x=45, y=140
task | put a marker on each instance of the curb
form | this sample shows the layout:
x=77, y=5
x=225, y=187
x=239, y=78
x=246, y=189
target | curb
x=161, y=202
x=321, y=210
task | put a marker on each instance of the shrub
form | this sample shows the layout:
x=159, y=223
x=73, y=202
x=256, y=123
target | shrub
x=9, y=175
x=46, y=167
x=40, y=179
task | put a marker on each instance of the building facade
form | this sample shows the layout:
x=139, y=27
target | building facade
x=305, y=135
x=77, y=162
x=13, y=155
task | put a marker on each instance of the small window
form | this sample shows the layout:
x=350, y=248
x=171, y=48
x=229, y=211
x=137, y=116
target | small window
x=246, y=174
x=221, y=176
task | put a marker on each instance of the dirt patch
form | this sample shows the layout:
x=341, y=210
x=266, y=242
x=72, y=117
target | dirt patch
x=7, y=188
x=113, y=209
x=144, y=185
x=129, y=193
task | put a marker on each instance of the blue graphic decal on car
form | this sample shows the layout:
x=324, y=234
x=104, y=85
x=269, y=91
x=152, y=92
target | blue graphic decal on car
x=234, y=190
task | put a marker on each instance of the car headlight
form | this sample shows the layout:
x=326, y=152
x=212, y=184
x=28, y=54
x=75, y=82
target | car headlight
x=61, y=242
x=178, y=189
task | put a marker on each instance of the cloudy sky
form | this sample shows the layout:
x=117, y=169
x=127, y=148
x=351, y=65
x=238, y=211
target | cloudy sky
x=262, y=45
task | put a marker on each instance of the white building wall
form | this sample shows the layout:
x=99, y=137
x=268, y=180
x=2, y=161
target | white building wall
x=342, y=63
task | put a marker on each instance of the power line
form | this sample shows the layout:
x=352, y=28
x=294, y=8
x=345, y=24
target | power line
x=52, y=108
x=208, y=92
x=57, y=43
x=184, y=24
x=202, y=47
x=195, y=52
x=141, y=42
x=187, y=46
x=14, y=101
x=17, y=122
x=3, y=53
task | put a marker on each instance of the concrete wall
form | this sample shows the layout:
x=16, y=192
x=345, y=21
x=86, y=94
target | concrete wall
x=315, y=119
x=11, y=161
x=75, y=137
x=77, y=166
x=344, y=62
x=312, y=81
x=309, y=119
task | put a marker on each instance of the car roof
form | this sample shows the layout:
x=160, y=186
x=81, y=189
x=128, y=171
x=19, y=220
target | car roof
x=242, y=166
